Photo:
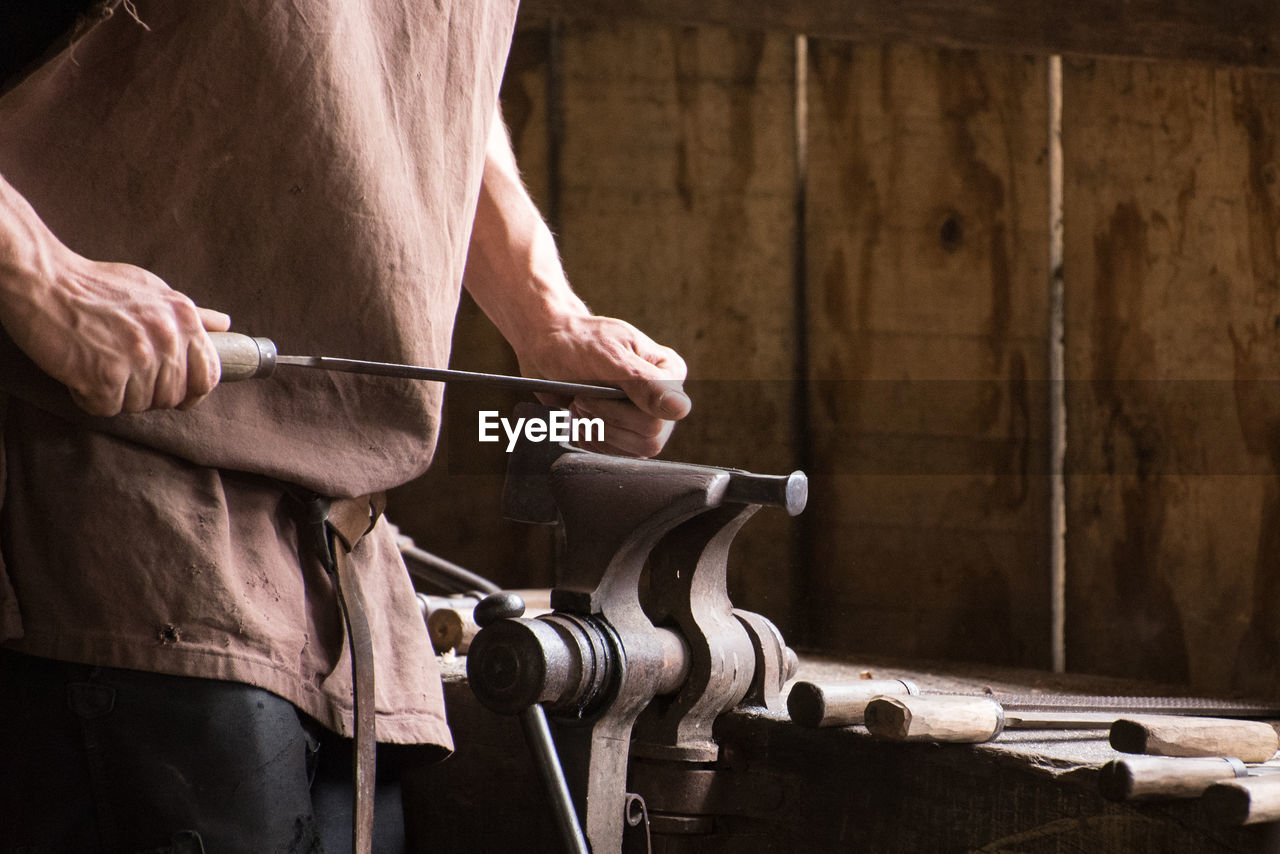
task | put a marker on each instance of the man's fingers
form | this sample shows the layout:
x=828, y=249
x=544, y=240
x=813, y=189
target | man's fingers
x=203, y=368
x=97, y=404
x=668, y=362
x=659, y=398
x=214, y=321
x=618, y=440
x=203, y=371
x=138, y=394
x=170, y=387
x=620, y=414
x=627, y=430
x=657, y=383
x=176, y=383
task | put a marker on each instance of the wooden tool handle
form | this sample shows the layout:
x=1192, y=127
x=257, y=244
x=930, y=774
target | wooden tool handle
x=1248, y=801
x=1145, y=777
x=963, y=720
x=452, y=629
x=451, y=620
x=1172, y=735
x=840, y=703
x=242, y=357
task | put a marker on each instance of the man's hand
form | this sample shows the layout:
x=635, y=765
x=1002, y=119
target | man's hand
x=514, y=274
x=119, y=338
x=116, y=335
x=589, y=348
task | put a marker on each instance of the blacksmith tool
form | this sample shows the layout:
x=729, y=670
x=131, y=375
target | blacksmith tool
x=974, y=719
x=246, y=358
x=811, y=704
x=635, y=675
x=1251, y=800
x=964, y=720
x=843, y=703
x=1142, y=778
x=1251, y=741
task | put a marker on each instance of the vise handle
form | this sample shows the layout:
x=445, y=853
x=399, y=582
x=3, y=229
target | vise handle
x=507, y=605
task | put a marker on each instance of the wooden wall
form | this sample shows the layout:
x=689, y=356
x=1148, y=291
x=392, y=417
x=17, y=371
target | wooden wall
x=1173, y=316
x=848, y=242
x=927, y=305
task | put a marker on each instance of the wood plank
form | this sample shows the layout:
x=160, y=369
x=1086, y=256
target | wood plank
x=927, y=305
x=1173, y=312
x=677, y=206
x=1243, y=33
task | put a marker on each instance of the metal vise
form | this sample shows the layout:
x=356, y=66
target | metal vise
x=625, y=671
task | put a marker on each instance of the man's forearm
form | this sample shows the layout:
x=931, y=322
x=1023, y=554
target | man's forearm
x=513, y=269
x=28, y=256
x=514, y=274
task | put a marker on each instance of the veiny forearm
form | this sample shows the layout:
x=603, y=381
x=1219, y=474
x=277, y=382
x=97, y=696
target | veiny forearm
x=29, y=257
x=116, y=335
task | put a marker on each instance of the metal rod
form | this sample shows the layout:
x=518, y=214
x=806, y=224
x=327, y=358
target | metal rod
x=845, y=703
x=1193, y=706
x=538, y=735
x=417, y=372
x=438, y=571
x=1059, y=720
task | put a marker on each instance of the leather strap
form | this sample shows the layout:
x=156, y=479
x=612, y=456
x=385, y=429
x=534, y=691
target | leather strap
x=348, y=521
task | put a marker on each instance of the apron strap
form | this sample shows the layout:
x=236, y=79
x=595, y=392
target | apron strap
x=335, y=528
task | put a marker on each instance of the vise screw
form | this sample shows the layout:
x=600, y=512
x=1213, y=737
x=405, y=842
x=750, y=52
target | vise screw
x=625, y=671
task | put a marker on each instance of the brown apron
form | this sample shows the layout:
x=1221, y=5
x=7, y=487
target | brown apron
x=311, y=168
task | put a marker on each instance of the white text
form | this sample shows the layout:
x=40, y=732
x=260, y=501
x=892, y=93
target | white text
x=559, y=427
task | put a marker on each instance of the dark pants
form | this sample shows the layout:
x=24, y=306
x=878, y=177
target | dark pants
x=97, y=759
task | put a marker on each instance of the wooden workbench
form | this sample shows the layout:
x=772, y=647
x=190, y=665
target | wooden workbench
x=837, y=790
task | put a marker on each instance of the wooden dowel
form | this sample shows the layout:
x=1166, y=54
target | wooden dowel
x=452, y=629
x=840, y=703
x=1247, y=801
x=1138, y=778
x=1168, y=735
x=935, y=718
x=451, y=619
x=966, y=719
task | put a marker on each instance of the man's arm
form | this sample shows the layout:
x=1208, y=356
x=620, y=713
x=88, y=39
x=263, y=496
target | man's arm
x=514, y=274
x=116, y=335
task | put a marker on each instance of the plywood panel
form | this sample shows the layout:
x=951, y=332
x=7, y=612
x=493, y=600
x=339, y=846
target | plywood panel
x=1173, y=314
x=927, y=306
x=677, y=204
